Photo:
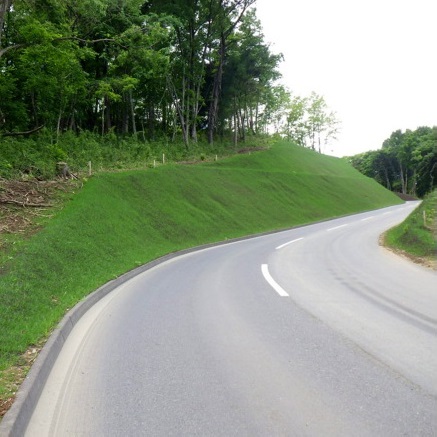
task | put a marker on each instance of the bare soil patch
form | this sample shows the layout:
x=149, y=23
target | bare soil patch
x=21, y=202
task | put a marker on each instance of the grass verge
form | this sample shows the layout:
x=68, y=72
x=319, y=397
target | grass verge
x=416, y=237
x=121, y=220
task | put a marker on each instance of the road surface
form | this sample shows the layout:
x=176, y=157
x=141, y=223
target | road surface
x=316, y=331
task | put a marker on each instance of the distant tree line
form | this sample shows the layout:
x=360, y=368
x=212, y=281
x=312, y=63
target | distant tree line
x=406, y=163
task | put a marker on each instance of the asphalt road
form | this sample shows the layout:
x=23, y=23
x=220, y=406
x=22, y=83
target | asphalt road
x=316, y=331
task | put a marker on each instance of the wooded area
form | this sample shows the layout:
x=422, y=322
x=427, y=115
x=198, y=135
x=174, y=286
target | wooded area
x=105, y=80
x=406, y=163
x=126, y=66
x=173, y=68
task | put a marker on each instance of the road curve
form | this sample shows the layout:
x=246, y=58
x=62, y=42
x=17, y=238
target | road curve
x=205, y=345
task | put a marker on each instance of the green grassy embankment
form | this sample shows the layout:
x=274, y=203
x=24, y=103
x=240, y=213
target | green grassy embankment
x=121, y=220
x=417, y=235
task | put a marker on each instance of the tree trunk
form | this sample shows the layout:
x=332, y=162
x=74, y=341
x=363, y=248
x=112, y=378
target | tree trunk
x=34, y=109
x=242, y=125
x=180, y=106
x=107, y=119
x=132, y=109
x=387, y=180
x=164, y=121
x=401, y=174
x=151, y=123
x=213, y=107
x=125, y=109
x=4, y=9
x=58, y=127
x=235, y=123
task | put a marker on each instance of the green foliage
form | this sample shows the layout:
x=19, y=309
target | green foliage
x=124, y=67
x=406, y=163
x=308, y=122
x=248, y=79
x=38, y=155
x=417, y=235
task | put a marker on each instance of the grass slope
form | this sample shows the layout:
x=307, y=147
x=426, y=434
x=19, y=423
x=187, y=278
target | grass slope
x=417, y=235
x=119, y=221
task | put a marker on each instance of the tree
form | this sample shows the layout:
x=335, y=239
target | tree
x=227, y=15
x=128, y=66
x=321, y=124
x=407, y=161
x=296, y=128
x=191, y=22
x=251, y=70
x=309, y=122
x=424, y=160
x=79, y=64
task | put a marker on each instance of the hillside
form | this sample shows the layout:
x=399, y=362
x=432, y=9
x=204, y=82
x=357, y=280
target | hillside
x=118, y=221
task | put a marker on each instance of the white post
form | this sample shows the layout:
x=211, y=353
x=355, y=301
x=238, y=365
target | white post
x=90, y=172
x=163, y=158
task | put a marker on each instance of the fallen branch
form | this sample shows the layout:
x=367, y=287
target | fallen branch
x=29, y=132
x=14, y=47
x=25, y=204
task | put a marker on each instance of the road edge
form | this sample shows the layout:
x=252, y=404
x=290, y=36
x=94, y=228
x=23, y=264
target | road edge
x=16, y=420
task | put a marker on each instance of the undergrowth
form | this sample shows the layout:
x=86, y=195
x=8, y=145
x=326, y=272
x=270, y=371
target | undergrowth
x=36, y=157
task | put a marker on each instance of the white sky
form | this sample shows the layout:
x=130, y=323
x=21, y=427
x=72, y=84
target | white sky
x=373, y=61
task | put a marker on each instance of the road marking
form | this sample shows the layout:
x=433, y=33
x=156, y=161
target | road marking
x=337, y=227
x=290, y=242
x=368, y=218
x=272, y=282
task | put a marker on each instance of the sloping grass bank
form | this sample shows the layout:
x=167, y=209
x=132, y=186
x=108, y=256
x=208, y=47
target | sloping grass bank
x=122, y=220
x=417, y=235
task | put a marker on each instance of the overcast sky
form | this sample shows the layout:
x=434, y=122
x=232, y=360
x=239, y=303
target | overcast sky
x=373, y=61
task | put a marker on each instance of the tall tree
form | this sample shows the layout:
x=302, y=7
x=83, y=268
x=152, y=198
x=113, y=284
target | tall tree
x=227, y=15
x=309, y=122
x=250, y=73
x=192, y=27
x=296, y=127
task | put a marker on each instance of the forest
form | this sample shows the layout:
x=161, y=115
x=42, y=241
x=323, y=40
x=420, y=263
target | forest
x=120, y=82
x=135, y=72
x=406, y=162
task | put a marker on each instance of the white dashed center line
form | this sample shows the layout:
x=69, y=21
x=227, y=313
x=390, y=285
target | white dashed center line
x=337, y=227
x=290, y=242
x=272, y=282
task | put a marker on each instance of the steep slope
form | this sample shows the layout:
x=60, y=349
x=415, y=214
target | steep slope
x=119, y=221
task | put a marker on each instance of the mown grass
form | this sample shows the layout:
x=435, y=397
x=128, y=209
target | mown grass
x=121, y=220
x=417, y=235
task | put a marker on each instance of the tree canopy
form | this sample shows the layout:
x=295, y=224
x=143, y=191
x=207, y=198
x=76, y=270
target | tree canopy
x=163, y=68
x=173, y=67
x=406, y=162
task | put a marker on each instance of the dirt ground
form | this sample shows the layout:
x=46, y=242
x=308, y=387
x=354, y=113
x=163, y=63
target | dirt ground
x=22, y=202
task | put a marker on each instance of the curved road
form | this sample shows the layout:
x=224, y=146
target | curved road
x=313, y=331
